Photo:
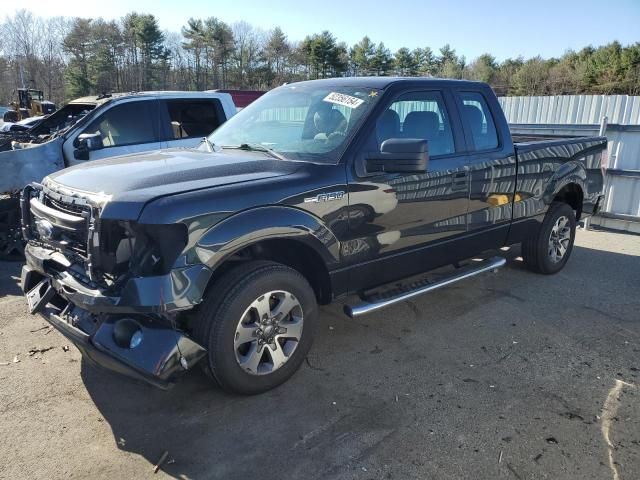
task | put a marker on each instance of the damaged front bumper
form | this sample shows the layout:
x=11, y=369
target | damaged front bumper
x=133, y=334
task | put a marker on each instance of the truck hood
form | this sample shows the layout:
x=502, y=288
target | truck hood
x=127, y=183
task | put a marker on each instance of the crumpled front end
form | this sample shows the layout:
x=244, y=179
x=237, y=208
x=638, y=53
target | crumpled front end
x=109, y=286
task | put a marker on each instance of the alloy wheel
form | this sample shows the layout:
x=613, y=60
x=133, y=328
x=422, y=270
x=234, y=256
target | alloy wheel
x=268, y=333
x=559, y=239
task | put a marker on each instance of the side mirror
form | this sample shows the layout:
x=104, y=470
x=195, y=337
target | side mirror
x=87, y=142
x=400, y=155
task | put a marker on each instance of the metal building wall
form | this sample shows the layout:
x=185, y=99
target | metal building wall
x=581, y=115
x=572, y=109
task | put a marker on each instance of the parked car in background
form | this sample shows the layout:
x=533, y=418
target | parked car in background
x=93, y=128
x=155, y=262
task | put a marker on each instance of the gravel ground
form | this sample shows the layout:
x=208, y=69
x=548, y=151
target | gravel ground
x=513, y=375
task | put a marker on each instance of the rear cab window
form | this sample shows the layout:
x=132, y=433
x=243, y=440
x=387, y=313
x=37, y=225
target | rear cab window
x=477, y=116
x=191, y=118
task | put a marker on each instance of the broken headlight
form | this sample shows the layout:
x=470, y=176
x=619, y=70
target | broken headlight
x=131, y=249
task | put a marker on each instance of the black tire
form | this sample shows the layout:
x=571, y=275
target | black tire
x=222, y=310
x=10, y=116
x=536, y=250
x=11, y=242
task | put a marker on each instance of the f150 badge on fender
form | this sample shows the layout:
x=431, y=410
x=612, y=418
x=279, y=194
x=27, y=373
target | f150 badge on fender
x=324, y=197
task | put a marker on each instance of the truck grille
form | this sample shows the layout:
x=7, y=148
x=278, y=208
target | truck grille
x=69, y=208
x=71, y=239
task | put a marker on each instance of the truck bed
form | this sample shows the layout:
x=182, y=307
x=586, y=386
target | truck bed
x=533, y=137
x=529, y=142
x=538, y=137
x=541, y=157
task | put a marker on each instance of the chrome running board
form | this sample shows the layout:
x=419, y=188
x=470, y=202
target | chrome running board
x=377, y=302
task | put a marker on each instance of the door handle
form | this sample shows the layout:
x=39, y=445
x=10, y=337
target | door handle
x=459, y=180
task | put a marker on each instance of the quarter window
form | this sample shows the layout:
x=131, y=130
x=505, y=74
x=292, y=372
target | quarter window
x=478, y=117
x=418, y=115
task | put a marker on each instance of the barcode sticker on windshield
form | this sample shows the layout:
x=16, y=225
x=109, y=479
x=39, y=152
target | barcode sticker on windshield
x=342, y=99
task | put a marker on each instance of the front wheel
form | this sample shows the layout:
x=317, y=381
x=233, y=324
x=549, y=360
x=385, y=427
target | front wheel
x=549, y=249
x=258, y=323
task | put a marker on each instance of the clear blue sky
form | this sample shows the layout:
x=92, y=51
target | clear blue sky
x=501, y=27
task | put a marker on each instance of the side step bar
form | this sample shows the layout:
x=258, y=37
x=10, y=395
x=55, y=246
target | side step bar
x=378, y=302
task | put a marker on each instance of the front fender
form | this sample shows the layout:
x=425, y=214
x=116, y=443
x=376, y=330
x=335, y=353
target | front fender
x=251, y=226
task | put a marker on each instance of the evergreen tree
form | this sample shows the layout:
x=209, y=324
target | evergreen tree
x=426, y=61
x=406, y=63
x=362, y=56
x=276, y=53
x=194, y=36
x=78, y=44
x=150, y=42
x=382, y=62
x=324, y=56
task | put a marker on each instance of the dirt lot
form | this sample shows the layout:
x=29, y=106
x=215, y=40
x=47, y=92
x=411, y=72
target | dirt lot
x=511, y=375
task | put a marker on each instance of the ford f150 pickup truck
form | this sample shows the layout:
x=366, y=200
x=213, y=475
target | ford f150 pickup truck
x=219, y=256
x=92, y=128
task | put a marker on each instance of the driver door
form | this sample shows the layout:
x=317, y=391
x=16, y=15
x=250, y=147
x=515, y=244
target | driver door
x=401, y=223
x=129, y=127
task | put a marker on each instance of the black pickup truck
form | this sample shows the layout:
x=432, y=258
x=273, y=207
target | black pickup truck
x=151, y=263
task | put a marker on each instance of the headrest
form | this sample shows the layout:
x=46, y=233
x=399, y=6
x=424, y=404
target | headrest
x=388, y=126
x=421, y=125
x=474, y=117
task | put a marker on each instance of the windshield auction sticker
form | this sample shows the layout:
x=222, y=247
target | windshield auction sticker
x=344, y=100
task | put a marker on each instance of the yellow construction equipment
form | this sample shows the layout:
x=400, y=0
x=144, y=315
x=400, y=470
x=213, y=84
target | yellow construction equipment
x=31, y=103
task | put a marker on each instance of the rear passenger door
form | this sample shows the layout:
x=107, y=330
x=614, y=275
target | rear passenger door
x=186, y=121
x=492, y=168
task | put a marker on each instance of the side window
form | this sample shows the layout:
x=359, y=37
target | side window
x=418, y=115
x=478, y=117
x=126, y=124
x=192, y=118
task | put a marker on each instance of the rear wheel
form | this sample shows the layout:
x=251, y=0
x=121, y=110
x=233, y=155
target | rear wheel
x=548, y=251
x=257, y=323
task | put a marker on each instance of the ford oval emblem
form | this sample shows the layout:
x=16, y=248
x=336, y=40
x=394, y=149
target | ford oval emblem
x=45, y=229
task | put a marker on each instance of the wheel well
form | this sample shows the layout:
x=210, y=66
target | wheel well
x=291, y=253
x=572, y=195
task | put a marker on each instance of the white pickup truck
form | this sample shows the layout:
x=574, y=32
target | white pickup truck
x=91, y=128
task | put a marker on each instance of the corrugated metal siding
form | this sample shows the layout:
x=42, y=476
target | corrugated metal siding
x=572, y=109
x=623, y=196
x=581, y=115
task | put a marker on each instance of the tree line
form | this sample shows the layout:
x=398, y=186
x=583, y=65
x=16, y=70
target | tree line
x=72, y=57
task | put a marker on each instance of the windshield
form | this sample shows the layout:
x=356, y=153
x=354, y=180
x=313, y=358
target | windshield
x=299, y=122
x=62, y=119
